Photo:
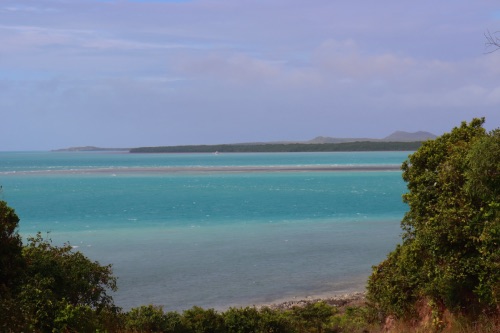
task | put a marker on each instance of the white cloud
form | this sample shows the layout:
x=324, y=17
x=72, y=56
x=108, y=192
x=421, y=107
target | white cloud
x=27, y=8
x=15, y=38
x=345, y=59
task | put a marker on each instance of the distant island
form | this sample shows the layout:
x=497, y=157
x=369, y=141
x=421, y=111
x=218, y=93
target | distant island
x=397, y=141
x=284, y=147
x=91, y=148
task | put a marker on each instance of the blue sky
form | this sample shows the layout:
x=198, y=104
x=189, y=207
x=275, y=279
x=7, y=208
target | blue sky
x=147, y=73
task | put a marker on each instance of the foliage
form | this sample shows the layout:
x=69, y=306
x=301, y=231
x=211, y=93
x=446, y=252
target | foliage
x=392, y=285
x=152, y=319
x=199, y=320
x=252, y=320
x=73, y=276
x=11, y=262
x=275, y=321
x=11, y=266
x=244, y=320
x=450, y=250
x=45, y=288
x=353, y=320
x=313, y=317
x=60, y=285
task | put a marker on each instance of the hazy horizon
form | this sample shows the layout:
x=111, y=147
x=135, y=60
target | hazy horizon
x=131, y=73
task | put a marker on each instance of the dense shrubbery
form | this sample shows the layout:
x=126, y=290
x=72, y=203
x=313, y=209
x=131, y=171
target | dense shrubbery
x=314, y=318
x=45, y=288
x=450, y=254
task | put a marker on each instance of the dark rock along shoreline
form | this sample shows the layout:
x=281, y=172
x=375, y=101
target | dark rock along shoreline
x=335, y=300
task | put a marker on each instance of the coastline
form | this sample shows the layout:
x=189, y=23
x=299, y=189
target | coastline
x=338, y=300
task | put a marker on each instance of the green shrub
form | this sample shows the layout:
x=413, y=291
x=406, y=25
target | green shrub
x=151, y=318
x=45, y=288
x=450, y=246
x=353, y=320
x=313, y=317
x=60, y=284
x=276, y=321
x=242, y=320
x=198, y=320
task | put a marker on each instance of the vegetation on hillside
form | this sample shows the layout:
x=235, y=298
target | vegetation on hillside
x=284, y=147
x=446, y=268
x=449, y=259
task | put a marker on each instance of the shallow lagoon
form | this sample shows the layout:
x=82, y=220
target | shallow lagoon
x=188, y=237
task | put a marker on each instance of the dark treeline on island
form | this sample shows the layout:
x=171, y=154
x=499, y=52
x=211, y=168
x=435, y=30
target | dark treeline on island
x=284, y=147
x=397, y=141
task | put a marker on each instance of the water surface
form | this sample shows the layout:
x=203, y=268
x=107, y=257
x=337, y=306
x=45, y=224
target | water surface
x=214, y=239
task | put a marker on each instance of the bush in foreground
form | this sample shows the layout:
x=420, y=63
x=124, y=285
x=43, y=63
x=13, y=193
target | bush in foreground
x=45, y=288
x=450, y=254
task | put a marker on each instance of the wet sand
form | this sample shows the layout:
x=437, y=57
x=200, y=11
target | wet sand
x=216, y=169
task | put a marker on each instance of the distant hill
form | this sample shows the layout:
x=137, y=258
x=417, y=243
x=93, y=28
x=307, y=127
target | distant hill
x=401, y=136
x=398, y=140
x=91, y=148
x=327, y=139
x=398, y=136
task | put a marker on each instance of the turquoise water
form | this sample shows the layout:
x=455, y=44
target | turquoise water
x=179, y=236
x=51, y=161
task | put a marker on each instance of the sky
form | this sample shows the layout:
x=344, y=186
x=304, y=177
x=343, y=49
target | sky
x=132, y=73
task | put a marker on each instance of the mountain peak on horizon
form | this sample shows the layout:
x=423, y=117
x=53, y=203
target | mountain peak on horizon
x=409, y=136
x=397, y=136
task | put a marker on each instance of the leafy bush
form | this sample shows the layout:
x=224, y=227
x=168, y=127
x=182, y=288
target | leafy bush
x=198, y=320
x=313, y=317
x=59, y=282
x=11, y=267
x=152, y=319
x=450, y=251
x=243, y=320
x=353, y=320
x=275, y=321
x=45, y=288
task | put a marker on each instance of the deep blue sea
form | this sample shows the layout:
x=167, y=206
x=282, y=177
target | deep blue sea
x=214, y=230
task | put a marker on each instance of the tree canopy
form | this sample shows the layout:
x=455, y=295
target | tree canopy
x=47, y=288
x=450, y=252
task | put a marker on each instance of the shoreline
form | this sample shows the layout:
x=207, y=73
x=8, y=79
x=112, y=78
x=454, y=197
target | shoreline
x=337, y=300
x=340, y=298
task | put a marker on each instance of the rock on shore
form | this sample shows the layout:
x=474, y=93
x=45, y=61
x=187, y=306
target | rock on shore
x=336, y=300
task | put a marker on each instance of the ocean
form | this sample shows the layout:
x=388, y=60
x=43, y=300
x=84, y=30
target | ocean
x=214, y=230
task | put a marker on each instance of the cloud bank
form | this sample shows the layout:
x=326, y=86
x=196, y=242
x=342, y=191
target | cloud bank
x=142, y=73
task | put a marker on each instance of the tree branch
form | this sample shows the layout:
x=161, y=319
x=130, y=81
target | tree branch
x=492, y=41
